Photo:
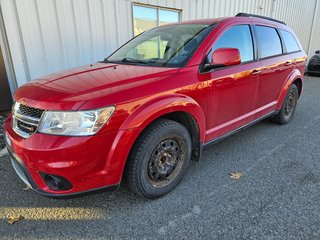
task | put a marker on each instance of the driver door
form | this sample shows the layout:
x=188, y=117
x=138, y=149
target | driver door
x=233, y=90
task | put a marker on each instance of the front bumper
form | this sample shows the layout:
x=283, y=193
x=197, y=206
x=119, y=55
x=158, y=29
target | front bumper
x=24, y=175
x=89, y=163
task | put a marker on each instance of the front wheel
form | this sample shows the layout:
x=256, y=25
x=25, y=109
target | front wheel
x=288, y=107
x=159, y=159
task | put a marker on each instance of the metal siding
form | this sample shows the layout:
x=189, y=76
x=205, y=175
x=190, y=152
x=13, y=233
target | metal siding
x=315, y=33
x=290, y=12
x=50, y=34
x=32, y=38
x=69, y=45
x=45, y=36
x=16, y=45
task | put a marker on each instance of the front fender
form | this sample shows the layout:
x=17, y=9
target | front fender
x=157, y=107
x=295, y=74
x=140, y=119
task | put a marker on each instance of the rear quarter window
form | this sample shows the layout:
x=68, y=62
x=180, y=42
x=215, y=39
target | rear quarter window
x=269, y=41
x=290, y=41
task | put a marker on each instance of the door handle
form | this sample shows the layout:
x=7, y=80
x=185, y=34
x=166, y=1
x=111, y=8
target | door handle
x=288, y=63
x=256, y=72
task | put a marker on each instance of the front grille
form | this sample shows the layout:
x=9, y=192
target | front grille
x=29, y=111
x=29, y=129
x=25, y=120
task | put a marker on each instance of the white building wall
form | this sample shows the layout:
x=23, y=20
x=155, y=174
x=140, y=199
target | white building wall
x=46, y=36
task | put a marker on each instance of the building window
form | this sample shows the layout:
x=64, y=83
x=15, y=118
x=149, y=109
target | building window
x=145, y=18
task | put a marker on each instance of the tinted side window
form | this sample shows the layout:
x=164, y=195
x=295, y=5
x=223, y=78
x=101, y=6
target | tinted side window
x=269, y=41
x=289, y=41
x=237, y=37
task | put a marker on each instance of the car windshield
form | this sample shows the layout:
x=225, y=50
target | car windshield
x=170, y=46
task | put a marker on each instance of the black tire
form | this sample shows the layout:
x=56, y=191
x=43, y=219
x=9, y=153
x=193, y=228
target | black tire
x=288, y=107
x=158, y=159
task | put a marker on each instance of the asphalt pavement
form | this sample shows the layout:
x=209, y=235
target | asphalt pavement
x=277, y=196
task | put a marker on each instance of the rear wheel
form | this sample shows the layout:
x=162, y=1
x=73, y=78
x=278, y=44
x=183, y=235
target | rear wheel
x=158, y=159
x=288, y=107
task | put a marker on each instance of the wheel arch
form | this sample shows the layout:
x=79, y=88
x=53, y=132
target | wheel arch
x=177, y=107
x=298, y=83
x=294, y=78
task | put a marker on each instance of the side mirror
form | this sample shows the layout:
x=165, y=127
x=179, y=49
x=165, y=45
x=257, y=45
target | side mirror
x=317, y=52
x=224, y=57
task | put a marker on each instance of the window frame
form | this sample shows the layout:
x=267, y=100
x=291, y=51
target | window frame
x=254, y=45
x=158, y=8
x=252, y=41
x=284, y=43
x=259, y=45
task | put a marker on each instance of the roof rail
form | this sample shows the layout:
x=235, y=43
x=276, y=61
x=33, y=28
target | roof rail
x=258, y=16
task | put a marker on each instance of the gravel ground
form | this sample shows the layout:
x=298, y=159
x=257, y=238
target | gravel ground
x=3, y=116
x=277, y=197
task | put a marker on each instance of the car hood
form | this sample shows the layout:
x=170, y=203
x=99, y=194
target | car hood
x=70, y=89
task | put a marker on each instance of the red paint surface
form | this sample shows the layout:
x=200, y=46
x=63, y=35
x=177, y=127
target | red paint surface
x=220, y=101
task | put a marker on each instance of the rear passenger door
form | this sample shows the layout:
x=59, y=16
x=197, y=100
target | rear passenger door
x=276, y=68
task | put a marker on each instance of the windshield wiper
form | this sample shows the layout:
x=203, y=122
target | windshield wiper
x=132, y=60
x=104, y=61
x=125, y=60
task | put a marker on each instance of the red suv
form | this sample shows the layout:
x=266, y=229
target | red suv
x=148, y=109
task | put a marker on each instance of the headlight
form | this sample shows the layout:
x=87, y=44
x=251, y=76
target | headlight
x=77, y=123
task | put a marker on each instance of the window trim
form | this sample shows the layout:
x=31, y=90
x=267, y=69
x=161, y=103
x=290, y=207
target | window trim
x=158, y=8
x=252, y=41
x=279, y=30
x=283, y=50
x=257, y=56
x=254, y=45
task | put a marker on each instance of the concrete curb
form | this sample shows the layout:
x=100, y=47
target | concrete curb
x=3, y=152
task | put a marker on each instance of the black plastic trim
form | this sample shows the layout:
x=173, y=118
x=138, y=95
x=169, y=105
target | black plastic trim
x=110, y=188
x=66, y=184
x=240, y=128
x=259, y=16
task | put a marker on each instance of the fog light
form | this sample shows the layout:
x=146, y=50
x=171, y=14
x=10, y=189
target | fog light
x=55, y=182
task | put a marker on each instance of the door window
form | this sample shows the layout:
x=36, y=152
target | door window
x=237, y=37
x=269, y=41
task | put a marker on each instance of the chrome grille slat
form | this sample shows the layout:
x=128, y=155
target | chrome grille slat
x=25, y=119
